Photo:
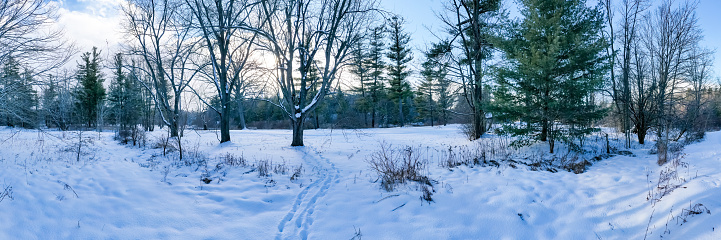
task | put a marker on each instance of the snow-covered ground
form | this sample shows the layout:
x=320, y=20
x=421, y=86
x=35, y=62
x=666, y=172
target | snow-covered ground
x=122, y=192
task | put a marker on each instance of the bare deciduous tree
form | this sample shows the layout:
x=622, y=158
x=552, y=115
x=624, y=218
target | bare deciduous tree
x=162, y=41
x=315, y=34
x=228, y=34
x=471, y=24
x=630, y=11
x=672, y=33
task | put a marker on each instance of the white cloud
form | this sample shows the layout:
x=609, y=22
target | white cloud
x=91, y=23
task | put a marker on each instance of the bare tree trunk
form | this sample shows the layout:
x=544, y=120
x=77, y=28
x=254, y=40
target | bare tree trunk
x=400, y=111
x=241, y=114
x=298, y=132
x=544, y=130
x=478, y=124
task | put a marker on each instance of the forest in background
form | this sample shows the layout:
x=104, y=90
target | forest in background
x=557, y=74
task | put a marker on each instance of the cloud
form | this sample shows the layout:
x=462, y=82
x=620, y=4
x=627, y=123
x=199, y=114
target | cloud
x=91, y=23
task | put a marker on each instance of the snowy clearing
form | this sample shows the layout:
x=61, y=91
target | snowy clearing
x=327, y=190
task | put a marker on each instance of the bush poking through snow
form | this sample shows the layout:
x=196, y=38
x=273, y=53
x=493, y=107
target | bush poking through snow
x=692, y=210
x=427, y=194
x=134, y=135
x=263, y=167
x=296, y=173
x=396, y=166
x=280, y=168
x=668, y=179
x=234, y=161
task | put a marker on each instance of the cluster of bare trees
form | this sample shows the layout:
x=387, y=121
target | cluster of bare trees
x=660, y=73
x=226, y=44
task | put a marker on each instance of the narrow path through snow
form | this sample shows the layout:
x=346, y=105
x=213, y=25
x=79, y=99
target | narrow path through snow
x=298, y=220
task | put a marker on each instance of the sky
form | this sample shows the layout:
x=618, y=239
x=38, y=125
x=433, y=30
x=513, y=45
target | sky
x=91, y=23
x=97, y=23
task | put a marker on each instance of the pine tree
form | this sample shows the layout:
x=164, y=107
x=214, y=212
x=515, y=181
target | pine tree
x=49, y=101
x=90, y=92
x=360, y=68
x=20, y=99
x=556, y=64
x=376, y=65
x=125, y=101
x=438, y=57
x=445, y=96
x=116, y=94
x=426, y=92
x=399, y=55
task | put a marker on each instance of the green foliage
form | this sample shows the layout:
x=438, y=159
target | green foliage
x=555, y=65
x=90, y=92
x=433, y=96
x=125, y=99
x=18, y=96
x=399, y=55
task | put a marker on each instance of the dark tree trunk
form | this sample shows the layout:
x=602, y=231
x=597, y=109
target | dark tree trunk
x=241, y=115
x=175, y=119
x=298, y=132
x=317, y=119
x=225, y=122
x=544, y=130
x=478, y=124
x=641, y=136
x=400, y=111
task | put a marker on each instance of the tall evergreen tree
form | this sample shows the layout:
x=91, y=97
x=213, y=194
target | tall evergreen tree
x=90, y=92
x=399, y=55
x=18, y=96
x=376, y=65
x=555, y=65
x=125, y=101
x=445, y=94
x=49, y=101
x=426, y=92
x=360, y=68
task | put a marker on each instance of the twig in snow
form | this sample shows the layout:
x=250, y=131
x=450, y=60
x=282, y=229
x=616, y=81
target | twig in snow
x=7, y=192
x=68, y=187
x=649, y=224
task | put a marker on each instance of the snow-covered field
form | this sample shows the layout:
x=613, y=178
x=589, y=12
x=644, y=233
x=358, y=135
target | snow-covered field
x=121, y=192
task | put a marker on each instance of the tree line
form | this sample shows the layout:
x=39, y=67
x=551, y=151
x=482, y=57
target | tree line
x=553, y=75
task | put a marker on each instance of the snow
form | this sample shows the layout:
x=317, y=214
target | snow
x=126, y=192
x=312, y=103
x=297, y=115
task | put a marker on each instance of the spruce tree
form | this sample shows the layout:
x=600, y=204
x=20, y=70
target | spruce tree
x=555, y=65
x=445, y=96
x=438, y=58
x=426, y=92
x=360, y=68
x=90, y=92
x=49, y=101
x=18, y=96
x=399, y=55
x=376, y=65
x=125, y=101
